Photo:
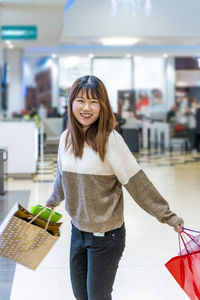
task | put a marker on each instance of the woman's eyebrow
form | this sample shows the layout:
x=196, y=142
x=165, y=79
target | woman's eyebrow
x=90, y=99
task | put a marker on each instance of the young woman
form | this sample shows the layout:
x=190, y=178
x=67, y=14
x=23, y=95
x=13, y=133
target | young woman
x=93, y=164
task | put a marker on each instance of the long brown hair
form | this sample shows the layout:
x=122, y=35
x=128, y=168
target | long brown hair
x=97, y=134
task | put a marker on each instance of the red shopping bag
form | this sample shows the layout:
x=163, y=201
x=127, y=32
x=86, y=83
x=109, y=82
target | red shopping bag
x=186, y=270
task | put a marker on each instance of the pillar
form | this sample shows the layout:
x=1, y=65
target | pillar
x=14, y=60
x=170, y=82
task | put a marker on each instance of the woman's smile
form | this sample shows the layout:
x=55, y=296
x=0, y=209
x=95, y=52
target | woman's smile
x=85, y=115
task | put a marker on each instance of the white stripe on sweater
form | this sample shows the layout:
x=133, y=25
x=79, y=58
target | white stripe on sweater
x=119, y=160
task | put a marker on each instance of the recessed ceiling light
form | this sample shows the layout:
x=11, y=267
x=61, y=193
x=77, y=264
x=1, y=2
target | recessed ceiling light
x=165, y=55
x=91, y=55
x=128, y=55
x=53, y=55
x=119, y=41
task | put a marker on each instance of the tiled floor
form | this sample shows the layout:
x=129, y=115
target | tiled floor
x=149, y=244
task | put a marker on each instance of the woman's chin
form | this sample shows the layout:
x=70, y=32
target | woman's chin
x=85, y=124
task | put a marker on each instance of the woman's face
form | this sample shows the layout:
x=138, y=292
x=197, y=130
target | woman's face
x=86, y=111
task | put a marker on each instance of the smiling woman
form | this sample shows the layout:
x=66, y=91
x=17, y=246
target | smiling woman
x=93, y=164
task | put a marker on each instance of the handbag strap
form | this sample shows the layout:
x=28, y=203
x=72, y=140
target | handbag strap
x=49, y=218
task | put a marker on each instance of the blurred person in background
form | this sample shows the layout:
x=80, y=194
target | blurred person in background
x=197, y=146
x=53, y=112
x=31, y=114
x=42, y=111
x=119, y=122
x=191, y=123
x=171, y=115
x=65, y=118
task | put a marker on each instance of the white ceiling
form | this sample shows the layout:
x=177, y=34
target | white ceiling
x=172, y=26
x=31, y=2
x=47, y=15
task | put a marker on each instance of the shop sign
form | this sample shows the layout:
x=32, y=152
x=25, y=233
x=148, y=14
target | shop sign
x=18, y=32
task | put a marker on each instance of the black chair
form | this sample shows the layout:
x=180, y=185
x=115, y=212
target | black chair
x=131, y=137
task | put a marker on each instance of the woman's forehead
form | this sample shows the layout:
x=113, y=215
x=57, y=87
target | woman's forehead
x=88, y=94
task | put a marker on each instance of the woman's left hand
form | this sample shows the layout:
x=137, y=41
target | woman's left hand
x=179, y=227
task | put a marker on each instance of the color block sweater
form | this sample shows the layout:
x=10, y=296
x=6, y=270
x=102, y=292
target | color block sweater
x=92, y=188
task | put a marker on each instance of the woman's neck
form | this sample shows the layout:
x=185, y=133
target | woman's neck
x=85, y=128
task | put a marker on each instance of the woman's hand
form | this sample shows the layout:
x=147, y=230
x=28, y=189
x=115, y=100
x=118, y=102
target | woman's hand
x=49, y=206
x=179, y=227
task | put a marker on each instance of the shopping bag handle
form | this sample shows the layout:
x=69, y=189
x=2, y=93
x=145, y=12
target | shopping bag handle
x=180, y=236
x=187, y=229
x=39, y=214
x=191, y=237
x=48, y=220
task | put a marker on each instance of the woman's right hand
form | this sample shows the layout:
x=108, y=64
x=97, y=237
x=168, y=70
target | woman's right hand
x=178, y=228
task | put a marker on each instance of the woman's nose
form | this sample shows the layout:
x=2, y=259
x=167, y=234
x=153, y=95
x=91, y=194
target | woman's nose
x=86, y=105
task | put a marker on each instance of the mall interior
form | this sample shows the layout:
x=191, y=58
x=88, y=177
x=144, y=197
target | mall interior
x=147, y=53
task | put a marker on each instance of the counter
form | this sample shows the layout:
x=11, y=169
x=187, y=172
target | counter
x=21, y=141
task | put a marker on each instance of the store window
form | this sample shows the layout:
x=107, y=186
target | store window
x=38, y=79
x=149, y=83
x=71, y=68
x=116, y=74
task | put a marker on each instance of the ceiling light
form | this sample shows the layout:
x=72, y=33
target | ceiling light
x=165, y=55
x=53, y=55
x=91, y=55
x=128, y=55
x=119, y=41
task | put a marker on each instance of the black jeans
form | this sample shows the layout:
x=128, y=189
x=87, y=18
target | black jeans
x=94, y=262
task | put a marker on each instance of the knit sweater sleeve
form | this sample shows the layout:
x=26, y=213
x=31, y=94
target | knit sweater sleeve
x=58, y=194
x=131, y=175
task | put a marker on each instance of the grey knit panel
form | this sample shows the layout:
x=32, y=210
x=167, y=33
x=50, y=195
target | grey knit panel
x=58, y=193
